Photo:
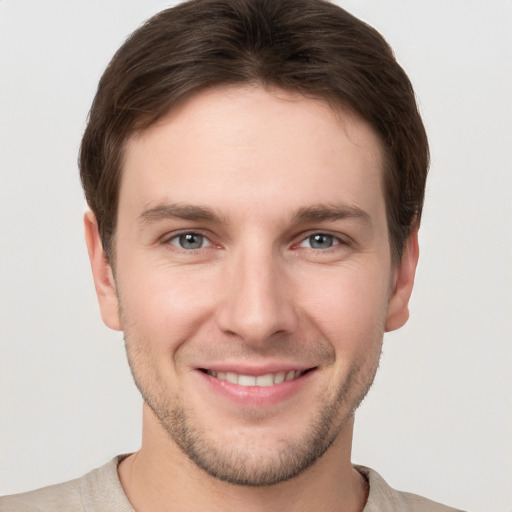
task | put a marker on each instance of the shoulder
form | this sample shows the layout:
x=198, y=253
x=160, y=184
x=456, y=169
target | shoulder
x=55, y=498
x=384, y=497
x=97, y=491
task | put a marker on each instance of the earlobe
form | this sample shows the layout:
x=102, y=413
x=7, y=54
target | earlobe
x=102, y=274
x=398, y=308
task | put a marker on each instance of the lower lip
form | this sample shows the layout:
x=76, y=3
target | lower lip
x=256, y=396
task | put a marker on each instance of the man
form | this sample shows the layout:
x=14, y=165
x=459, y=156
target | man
x=255, y=172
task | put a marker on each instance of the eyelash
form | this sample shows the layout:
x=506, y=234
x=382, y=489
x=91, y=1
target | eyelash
x=336, y=239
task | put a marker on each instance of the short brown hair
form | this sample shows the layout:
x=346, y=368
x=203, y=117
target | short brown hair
x=310, y=46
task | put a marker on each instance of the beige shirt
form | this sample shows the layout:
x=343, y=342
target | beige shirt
x=101, y=491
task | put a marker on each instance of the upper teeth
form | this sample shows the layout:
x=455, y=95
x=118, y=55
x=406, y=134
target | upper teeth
x=256, y=380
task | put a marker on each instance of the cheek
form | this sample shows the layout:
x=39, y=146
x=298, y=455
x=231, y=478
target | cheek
x=350, y=308
x=164, y=305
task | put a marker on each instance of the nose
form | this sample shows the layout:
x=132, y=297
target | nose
x=257, y=304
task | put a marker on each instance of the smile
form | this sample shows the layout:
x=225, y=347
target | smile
x=267, y=380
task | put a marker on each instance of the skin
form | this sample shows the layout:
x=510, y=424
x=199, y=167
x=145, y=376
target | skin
x=291, y=269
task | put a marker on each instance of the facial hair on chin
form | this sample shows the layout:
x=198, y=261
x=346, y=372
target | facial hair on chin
x=242, y=465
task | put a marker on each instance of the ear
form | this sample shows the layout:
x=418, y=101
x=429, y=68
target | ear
x=102, y=274
x=398, y=307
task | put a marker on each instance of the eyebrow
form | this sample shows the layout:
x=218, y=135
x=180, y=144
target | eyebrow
x=179, y=211
x=322, y=213
x=306, y=215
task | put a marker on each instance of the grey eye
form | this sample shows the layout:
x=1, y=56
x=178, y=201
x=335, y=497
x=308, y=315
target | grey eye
x=189, y=241
x=320, y=241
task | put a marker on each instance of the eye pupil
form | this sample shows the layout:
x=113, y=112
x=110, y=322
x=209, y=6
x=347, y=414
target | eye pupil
x=321, y=241
x=191, y=241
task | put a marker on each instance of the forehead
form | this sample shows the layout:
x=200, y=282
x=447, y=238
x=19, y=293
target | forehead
x=227, y=147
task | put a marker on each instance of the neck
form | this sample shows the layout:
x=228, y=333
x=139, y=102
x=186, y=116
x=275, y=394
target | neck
x=160, y=477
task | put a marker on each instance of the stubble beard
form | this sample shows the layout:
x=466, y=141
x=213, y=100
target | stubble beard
x=241, y=465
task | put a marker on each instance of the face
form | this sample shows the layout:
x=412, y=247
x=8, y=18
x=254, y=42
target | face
x=253, y=277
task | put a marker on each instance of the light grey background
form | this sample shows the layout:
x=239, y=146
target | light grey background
x=438, y=420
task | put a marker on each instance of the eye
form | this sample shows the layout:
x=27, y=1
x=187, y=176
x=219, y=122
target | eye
x=320, y=241
x=190, y=241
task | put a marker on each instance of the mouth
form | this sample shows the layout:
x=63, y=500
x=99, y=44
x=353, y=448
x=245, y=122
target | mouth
x=266, y=380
